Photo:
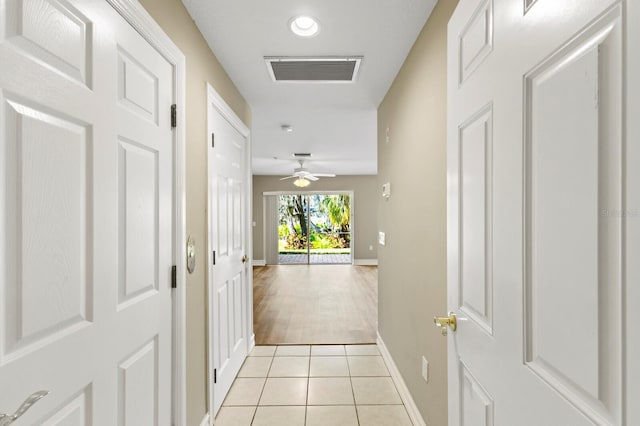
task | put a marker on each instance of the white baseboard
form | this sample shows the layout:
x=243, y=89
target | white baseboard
x=259, y=263
x=205, y=420
x=405, y=395
x=252, y=343
x=365, y=262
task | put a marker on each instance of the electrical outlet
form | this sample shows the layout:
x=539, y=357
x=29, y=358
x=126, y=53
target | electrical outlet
x=370, y=248
x=425, y=369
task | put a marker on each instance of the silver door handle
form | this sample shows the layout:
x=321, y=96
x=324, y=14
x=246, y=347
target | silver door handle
x=7, y=419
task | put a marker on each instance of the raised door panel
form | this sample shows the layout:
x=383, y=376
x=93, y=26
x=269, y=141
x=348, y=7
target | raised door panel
x=237, y=320
x=475, y=41
x=138, y=212
x=48, y=287
x=137, y=86
x=475, y=151
x=221, y=322
x=237, y=215
x=476, y=405
x=54, y=33
x=224, y=226
x=75, y=412
x=573, y=229
x=138, y=387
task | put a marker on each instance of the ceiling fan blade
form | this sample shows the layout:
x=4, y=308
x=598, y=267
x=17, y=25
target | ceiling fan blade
x=324, y=174
x=311, y=177
x=288, y=177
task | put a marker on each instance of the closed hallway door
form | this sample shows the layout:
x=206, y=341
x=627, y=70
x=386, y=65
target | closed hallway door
x=543, y=213
x=229, y=271
x=86, y=170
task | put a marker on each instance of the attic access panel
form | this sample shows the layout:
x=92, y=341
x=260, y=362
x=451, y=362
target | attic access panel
x=313, y=70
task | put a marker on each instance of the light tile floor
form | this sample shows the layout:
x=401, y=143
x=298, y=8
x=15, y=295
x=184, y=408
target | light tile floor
x=320, y=385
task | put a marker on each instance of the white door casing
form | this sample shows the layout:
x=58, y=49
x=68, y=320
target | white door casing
x=270, y=225
x=229, y=270
x=543, y=212
x=88, y=216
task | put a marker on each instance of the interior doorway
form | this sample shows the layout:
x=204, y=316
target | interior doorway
x=313, y=228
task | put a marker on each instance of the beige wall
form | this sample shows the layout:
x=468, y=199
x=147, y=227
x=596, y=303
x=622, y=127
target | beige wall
x=202, y=67
x=412, y=265
x=365, y=198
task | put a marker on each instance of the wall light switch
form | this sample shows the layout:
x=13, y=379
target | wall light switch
x=381, y=238
x=386, y=190
x=425, y=369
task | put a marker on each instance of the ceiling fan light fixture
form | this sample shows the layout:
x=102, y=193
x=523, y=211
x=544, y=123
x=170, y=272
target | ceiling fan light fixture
x=304, y=26
x=301, y=182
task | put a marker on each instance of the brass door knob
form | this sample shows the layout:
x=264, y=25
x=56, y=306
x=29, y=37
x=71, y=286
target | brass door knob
x=446, y=322
x=245, y=259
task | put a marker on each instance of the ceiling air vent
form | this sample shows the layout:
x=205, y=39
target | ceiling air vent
x=313, y=70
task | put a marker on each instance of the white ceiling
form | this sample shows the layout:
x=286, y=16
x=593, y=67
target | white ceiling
x=335, y=122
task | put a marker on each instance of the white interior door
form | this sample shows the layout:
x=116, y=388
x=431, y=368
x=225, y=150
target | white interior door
x=543, y=212
x=229, y=264
x=86, y=216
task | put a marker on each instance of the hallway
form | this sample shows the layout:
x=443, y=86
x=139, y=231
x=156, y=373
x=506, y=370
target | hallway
x=313, y=386
x=317, y=304
x=491, y=160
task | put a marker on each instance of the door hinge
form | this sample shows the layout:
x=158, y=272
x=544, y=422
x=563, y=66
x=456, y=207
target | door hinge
x=214, y=257
x=174, y=276
x=213, y=140
x=174, y=116
x=215, y=375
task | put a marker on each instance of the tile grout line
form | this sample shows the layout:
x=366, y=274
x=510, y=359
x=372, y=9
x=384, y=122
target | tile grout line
x=264, y=385
x=306, y=407
x=353, y=392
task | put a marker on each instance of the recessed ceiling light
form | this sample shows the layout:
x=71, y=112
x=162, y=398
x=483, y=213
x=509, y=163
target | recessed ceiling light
x=304, y=26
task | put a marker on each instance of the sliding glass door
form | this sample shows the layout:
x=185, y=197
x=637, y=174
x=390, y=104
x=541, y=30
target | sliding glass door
x=314, y=229
x=293, y=229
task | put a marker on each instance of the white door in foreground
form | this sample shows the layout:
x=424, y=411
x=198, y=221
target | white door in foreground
x=86, y=222
x=543, y=212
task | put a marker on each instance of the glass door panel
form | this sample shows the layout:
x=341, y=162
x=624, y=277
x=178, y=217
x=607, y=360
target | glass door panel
x=293, y=229
x=330, y=229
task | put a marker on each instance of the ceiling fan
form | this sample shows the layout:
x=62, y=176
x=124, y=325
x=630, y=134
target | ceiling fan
x=304, y=177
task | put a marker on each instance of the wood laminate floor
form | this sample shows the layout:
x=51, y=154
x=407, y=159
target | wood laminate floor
x=315, y=304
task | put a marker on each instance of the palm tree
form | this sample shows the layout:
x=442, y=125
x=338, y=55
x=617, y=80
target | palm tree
x=338, y=210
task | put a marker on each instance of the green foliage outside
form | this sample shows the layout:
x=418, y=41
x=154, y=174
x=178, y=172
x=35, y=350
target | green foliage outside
x=323, y=220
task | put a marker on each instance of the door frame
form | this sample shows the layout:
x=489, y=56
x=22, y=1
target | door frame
x=352, y=226
x=135, y=14
x=214, y=99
